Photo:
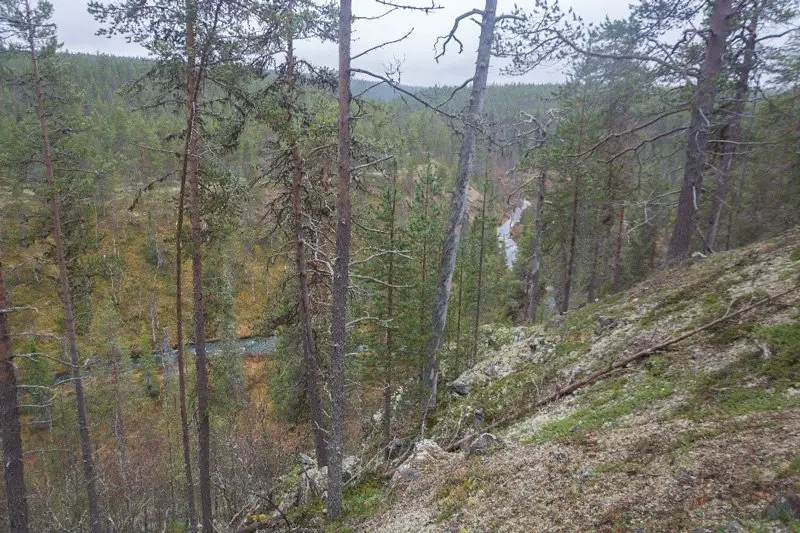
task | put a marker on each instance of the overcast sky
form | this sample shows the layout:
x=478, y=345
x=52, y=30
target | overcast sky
x=77, y=31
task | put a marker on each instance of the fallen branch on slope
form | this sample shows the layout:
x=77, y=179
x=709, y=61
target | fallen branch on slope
x=622, y=363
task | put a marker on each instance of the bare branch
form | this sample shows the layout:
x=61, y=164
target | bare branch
x=452, y=35
x=400, y=89
x=382, y=45
x=396, y=5
x=371, y=163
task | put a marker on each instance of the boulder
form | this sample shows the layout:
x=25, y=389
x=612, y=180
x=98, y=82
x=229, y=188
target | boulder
x=403, y=475
x=784, y=507
x=483, y=444
x=425, y=451
x=314, y=480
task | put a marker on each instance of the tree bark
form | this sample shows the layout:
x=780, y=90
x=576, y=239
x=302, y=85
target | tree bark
x=341, y=269
x=617, y=283
x=734, y=133
x=304, y=299
x=478, y=296
x=458, y=203
x=698, y=132
x=13, y=467
x=535, y=272
x=195, y=215
x=66, y=297
x=389, y=342
x=573, y=231
x=591, y=287
x=185, y=439
x=459, y=305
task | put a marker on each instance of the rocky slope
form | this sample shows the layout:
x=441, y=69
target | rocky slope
x=702, y=436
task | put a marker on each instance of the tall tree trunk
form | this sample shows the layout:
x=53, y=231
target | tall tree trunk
x=458, y=203
x=535, y=271
x=13, y=467
x=423, y=304
x=66, y=298
x=698, y=132
x=617, y=282
x=389, y=341
x=459, y=303
x=195, y=215
x=119, y=436
x=591, y=288
x=481, y=245
x=569, y=269
x=304, y=299
x=185, y=438
x=341, y=269
x=734, y=133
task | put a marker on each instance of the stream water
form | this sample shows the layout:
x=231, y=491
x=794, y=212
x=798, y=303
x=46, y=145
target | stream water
x=242, y=347
x=504, y=233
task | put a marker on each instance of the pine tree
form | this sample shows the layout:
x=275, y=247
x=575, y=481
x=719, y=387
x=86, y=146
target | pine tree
x=29, y=28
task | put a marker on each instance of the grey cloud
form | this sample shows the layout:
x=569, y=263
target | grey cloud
x=77, y=31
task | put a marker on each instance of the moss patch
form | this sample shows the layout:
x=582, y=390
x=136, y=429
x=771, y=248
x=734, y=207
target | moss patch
x=454, y=494
x=753, y=383
x=359, y=502
x=607, y=409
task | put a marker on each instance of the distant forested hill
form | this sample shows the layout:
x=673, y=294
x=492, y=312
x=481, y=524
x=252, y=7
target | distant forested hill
x=102, y=75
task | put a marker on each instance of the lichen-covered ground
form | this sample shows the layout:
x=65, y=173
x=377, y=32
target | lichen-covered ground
x=700, y=437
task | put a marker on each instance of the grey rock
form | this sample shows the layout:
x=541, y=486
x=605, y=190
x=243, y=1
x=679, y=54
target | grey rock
x=462, y=386
x=734, y=527
x=484, y=443
x=314, y=480
x=502, y=362
x=479, y=419
x=605, y=323
x=784, y=507
x=404, y=474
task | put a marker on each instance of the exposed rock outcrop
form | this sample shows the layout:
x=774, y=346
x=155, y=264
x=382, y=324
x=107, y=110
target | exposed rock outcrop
x=504, y=361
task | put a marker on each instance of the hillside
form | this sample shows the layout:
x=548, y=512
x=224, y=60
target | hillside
x=702, y=436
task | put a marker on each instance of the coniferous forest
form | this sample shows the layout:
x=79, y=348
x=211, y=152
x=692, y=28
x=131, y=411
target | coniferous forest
x=239, y=290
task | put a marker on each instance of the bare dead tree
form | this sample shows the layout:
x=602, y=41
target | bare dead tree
x=389, y=333
x=458, y=204
x=341, y=271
